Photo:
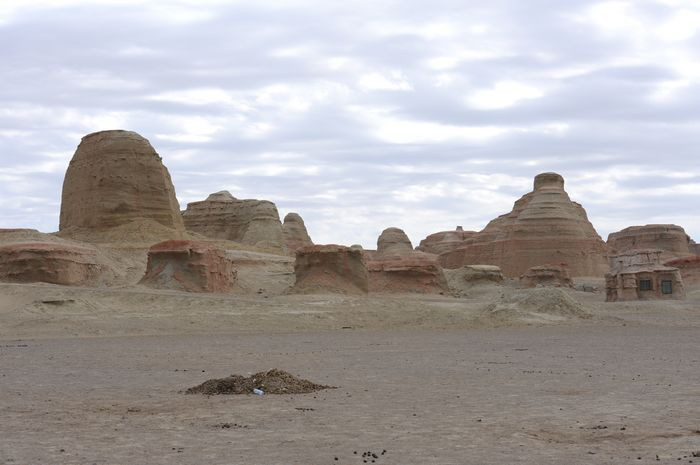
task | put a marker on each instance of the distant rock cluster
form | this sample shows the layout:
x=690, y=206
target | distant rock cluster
x=120, y=221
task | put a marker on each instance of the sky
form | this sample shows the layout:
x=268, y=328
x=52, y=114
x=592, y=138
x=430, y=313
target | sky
x=363, y=115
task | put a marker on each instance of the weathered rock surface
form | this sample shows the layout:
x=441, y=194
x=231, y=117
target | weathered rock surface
x=116, y=178
x=412, y=271
x=689, y=268
x=48, y=262
x=330, y=269
x=445, y=241
x=295, y=234
x=669, y=238
x=547, y=276
x=393, y=241
x=545, y=226
x=189, y=266
x=250, y=222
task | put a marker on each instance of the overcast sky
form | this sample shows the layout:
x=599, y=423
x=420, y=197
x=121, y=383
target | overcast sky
x=362, y=115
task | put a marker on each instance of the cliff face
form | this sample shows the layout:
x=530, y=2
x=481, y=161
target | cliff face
x=669, y=238
x=544, y=227
x=116, y=178
x=222, y=216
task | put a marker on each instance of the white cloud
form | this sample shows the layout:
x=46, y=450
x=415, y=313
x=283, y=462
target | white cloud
x=503, y=94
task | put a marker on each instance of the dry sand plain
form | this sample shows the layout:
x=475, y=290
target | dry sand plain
x=95, y=376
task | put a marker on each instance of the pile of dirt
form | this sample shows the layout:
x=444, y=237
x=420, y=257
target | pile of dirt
x=270, y=382
x=539, y=305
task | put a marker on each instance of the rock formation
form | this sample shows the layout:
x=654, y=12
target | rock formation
x=445, y=241
x=545, y=226
x=114, y=179
x=463, y=281
x=189, y=266
x=547, y=275
x=669, y=238
x=689, y=268
x=295, y=234
x=330, y=269
x=639, y=275
x=250, y=222
x=393, y=241
x=396, y=267
x=48, y=262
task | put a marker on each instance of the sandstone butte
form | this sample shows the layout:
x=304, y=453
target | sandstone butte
x=116, y=178
x=396, y=268
x=445, y=241
x=545, y=226
x=222, y=216
x=330, y=269
x=189, y=266
x=48, y=262
x=672, y=240
x=295, y=234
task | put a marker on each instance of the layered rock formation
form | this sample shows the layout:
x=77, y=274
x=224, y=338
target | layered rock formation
x=547, y=275
x=545, y=226
x=250, y=222
x=48, y=262
x=330, y=269
x=669, y=238
x=189, y=266
x=689, y=268
x=445, y=241
x=396, y=267
x=114, y=179
x=295, y=234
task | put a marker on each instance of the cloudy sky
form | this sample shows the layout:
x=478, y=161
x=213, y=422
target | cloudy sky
x=362, y=115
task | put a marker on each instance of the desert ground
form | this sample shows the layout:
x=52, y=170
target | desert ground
x=96, y=376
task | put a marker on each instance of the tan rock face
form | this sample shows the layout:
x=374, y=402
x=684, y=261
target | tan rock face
x=689, y=268
x=445, y=241
x=393, y=241
x=547, y=276
x=669, y=238
x=48, y=262
x=545, y=226
x=189, y=266
x=115, y=178
x=295, y=234
x=330, y=269
x=222, y=216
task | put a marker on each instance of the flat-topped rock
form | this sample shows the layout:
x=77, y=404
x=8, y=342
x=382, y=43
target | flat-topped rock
x=671, y=239
x=190, y=266
x=550, y=275
x=295, y=234
x=222, y=216
x=115, y=178
x=48, y=262
x=330, y=269
x=545, y=226
x=409, y=272
x=445, y=241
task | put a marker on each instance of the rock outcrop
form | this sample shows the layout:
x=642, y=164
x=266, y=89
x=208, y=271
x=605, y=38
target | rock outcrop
x=250, y=222
x=393, y=241
x=189, y=266
x=396, y=268
x=295, y=234
x=689, y=268
x=545, y=226
x=547, y=276
x=330, y=269
x=445, y=241
x=48, y=262
x=669, y=238
x=114, y=179
x=639, y=275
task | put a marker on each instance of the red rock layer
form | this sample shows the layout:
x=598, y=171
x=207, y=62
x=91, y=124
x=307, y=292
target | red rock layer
x=189, y=266
x=114, y=178
x=689, y=268
x=669, y=238
x=417, y=272
x=545, y=226
x=445, y=241
x=48, y=262
x=330, y=269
